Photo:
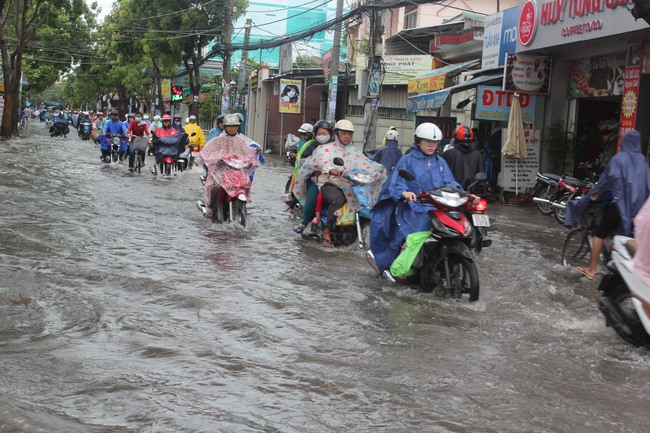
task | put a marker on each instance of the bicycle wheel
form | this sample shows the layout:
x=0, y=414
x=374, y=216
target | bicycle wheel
x=138, y=161
x=576, y=250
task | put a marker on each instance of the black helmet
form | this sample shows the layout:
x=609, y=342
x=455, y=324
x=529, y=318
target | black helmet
x=114, y=113
x=325, y=125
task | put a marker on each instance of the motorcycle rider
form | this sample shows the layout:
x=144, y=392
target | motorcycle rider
x=177, y=122
x=199, y=137
x=389, y=153
x=98, y=124
x=398, y=213
x=129, y=118
x=113, y=126
x=324, y=133
x=137, y=128
x=156, y=123
x=463, y=159
x=217, y=130
x=230, y=144
x=335, y=188
x=146, y=120
x=60, y=125
x=83, y=118
x=625, y=185
x=166, y=129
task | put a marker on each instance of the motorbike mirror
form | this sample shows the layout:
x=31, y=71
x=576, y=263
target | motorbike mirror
x=480, y=176
x=339, y=161
x=405, y=174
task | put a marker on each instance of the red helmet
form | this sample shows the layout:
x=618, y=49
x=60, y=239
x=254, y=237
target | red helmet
x=99, y=113
x=166, y=117
x=463, y=133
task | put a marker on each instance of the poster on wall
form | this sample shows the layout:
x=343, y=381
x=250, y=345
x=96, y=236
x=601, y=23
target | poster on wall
x=527, y=73
x=522, y=172
x=602, y=76
x=290, y=96
x=630, y=89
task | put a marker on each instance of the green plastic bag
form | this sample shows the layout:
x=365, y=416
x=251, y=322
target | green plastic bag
x=401, y=267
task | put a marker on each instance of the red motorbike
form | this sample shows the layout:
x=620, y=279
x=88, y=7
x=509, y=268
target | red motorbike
x=458, y=226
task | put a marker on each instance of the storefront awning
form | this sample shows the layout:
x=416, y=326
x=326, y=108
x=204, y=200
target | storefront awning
x=433, y=100
x=435, y=79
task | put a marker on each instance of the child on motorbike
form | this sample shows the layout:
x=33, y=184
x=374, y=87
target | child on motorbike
x=335, y=188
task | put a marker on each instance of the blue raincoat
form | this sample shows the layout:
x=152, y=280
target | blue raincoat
x=392, y=220
x=388, y=155
x=626, y=178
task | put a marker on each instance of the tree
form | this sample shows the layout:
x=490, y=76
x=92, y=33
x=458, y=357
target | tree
x=20, y=20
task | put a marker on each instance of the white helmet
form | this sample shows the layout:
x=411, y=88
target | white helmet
x=344, y=125
x=306, y=128
x=231, y=120
x=392, y=135
x=145, y=117
x=428, y=131
x=156, y=117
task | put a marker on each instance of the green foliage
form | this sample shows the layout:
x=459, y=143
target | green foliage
x=609, y=130
x=559, y=143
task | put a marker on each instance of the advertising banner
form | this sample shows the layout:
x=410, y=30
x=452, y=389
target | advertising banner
x=500, y=37
x=602, y=76
x=493, y=103
x=397, y=69
x=630, y=89
x=522, y=173
x=327, y=64
x=527, y=73
x=291, y=96
x=429, y=101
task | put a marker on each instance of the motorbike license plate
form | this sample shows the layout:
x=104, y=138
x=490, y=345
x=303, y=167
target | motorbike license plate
x=481, y=220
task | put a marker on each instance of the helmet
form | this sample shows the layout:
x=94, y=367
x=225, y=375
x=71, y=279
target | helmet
x=130, y=115
x=156, y=117
x=231, y=120
x=241, y=117
x=392, y=135
x=177, y=116
x=100, y=113
x=167, y=117
x=145, y=117
x=192, y=118
x=463, y=133
x=324, y=124
x=113, y=113
x=344, y=125
x=220, y=118
x=306, y=128
x=428, y=131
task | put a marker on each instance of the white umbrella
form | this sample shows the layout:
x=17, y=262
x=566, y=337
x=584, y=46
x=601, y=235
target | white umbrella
x=515, y=145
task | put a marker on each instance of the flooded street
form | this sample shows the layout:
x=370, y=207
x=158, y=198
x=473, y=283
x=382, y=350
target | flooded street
x=122, y=309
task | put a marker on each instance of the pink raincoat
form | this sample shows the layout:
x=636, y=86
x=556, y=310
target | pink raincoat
x=230, y=162
x=322, y=160
x=641, y=263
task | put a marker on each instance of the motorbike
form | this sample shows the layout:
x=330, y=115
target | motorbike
x=229, y=206
x=625, y=301
x=445, y=263
x=348, y=231
x=545, y=188
x=168, y=151
x=84, y=132
x=59, y=129
x=112, y=146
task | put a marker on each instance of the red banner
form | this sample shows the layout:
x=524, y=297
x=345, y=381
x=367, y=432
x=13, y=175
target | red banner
x=630, y=98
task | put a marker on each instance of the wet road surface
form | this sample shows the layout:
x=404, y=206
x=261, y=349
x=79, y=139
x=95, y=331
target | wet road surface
x=123, y=310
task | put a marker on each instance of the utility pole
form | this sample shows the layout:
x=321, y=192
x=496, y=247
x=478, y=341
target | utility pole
x=375, y=73
x=227, y=42
x=334, y=70
x=241, y=81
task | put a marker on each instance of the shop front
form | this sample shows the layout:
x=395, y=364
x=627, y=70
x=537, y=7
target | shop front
x=598, y=77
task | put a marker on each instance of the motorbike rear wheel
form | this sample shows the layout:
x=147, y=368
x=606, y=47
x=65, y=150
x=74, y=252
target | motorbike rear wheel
x=463, y=277
x=631, y=329
x=560, y=214
x=239, y=212
x=542, y=192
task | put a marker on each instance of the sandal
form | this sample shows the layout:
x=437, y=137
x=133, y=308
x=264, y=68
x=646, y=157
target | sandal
x=327, y=243
x=316, y=220
x=299, y=229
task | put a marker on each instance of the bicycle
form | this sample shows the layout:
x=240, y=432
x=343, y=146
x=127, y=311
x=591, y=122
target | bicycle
x=140, y=146
x=576, y=249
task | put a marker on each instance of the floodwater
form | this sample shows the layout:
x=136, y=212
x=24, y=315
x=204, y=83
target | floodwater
x=123, y=310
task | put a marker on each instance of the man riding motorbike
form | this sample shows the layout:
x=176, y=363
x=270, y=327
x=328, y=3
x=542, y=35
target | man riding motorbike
x=113, y=126
x=177, y=122
x=199, y=136
x=217, y=130
x=336, y=189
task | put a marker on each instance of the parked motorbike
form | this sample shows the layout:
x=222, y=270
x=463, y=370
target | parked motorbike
x=545, y=188
x=446, y=262
x=626, y=299
x=347, y=232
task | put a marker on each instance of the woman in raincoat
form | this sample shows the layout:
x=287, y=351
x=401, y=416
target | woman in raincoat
x=335, y=188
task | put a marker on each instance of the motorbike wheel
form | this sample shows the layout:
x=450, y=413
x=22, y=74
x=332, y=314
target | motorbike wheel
x=631, y=329
x=542, y=192
x=286, y=187
x=114, y=156
x=167, y=169
x=239, y=212
x=560, y=214
x=463, y=278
